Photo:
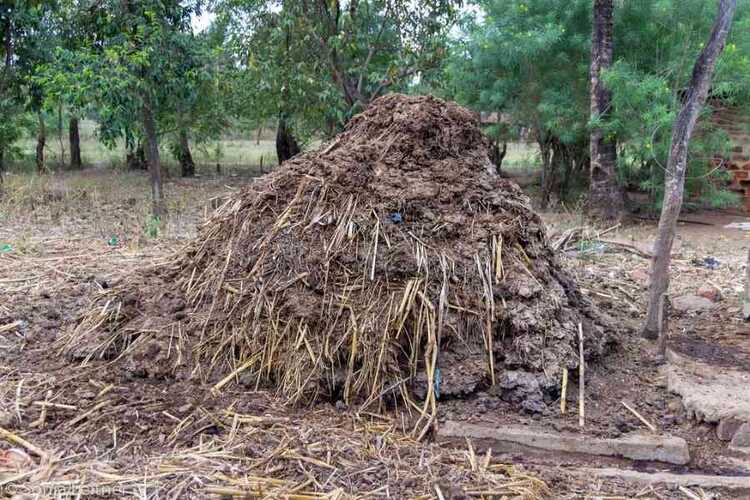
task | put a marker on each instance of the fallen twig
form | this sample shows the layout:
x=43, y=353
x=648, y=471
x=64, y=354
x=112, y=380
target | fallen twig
x=640, y=417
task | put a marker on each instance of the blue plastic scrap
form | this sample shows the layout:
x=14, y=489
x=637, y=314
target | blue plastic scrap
x=707, y=262
x=396, y=218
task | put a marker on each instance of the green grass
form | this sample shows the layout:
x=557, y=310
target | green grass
x=235, y=154
x=521, y=158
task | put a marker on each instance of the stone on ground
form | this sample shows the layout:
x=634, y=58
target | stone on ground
x=741, y=438
x=649, y=447
x=667, y=478
x=727, y=428
x=692, y=303
x=710, y=292
x=709, y=393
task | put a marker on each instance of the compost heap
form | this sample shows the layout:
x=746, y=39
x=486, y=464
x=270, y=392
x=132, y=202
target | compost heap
x=391, y=264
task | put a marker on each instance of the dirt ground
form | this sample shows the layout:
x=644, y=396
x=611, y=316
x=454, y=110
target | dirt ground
x=93, y=431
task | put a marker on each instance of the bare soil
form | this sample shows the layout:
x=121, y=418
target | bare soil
x=109, y=432
x=139, y=440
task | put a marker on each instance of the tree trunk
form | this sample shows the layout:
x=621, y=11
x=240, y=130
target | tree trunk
x=286, y=145
x=605, y=193
x=136, y=160
x=187, y=166
x=545, y=149
x=746, y=298
x=2, y=167
x=674, y=181
x=60, y=135
x=498, y=155
x=41, y=140
x=154, y=163
x=75, y=144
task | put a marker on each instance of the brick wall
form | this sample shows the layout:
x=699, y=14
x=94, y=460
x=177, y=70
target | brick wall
x=737, y=124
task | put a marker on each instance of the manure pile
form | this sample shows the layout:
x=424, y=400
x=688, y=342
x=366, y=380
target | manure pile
x=393, y=264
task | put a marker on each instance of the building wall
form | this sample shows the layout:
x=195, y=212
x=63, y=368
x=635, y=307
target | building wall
x=737, y=124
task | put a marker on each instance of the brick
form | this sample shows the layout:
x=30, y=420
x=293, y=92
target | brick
x=741, y=174
x=710, y=292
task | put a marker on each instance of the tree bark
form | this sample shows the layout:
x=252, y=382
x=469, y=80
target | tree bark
x=136, y=160
x=154, y=162
x=187, y=166
x=74, y=138
x=498, y=155
x=60, y=135
x=8, y=44
x=674, y=181
x=41, y=140
x=545, y=149
x=286, y=144
x=606, y=198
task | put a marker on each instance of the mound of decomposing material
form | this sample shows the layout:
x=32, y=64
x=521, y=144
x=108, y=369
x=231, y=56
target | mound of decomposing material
x=393, y=261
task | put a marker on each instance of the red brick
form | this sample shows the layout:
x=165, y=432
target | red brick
x=741, y=175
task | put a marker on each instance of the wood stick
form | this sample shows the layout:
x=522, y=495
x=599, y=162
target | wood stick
x=648, y=424
x=13, y=438
x=244, y=366
x=564, y=391
x=54, y=405
x=581, y=383
x=10, y=326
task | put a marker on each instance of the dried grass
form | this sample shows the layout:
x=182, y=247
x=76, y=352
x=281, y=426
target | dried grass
x=302, y=282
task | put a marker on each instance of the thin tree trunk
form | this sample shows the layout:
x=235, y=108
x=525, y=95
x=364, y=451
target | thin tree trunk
x=136, y=159
x=2, y=166
x=8, y=43
x=74, y=138
x=286, y=144
x=41, y=140
x=498, y=155
x=605, y=193
x=746, y=298
x=187, y=166
x=154, y=163
x=546, y=152
x=677, y=163
x=60, y=134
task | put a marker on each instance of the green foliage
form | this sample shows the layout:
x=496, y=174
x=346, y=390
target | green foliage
x=529, y=60
x=152, y=227
x=320, y=62
x=132, y=53
x=24, y=25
